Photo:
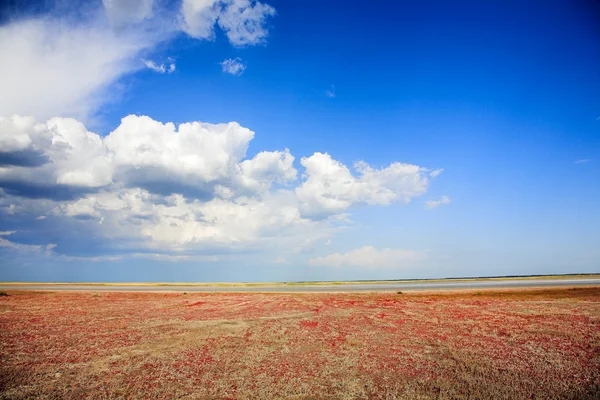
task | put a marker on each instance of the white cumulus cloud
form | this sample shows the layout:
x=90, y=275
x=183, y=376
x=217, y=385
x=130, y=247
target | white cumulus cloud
x=59, y=152
x=197, y=158
x=369, y=257
x=186, y=188
x=330, y=186
x=436, y=172
x=233, y=66
x=243, y=21
x=165, y=68
x=431, y=204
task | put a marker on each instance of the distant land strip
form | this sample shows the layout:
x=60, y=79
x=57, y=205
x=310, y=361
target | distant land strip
x=312, y=283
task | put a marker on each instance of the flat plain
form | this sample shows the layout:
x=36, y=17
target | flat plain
x=503, y=343
x=548, y=281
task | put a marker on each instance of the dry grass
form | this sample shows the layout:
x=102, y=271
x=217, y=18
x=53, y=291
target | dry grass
x=497, y=344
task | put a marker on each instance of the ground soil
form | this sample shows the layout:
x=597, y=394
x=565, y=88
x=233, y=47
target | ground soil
x=492, y=344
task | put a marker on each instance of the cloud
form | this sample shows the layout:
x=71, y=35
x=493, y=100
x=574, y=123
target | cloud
x=147, y=187
x=436, y=172
x=11, y=209
x=152, y=256
x=243, y=21
x=186, y=189
x=7, y=233
x=200, y=17
x=67, y=66
x=330, y=187
x=29, y=248
x=233, y=66
x=176, y=223
x=59, y=68
x=197, y=158
x=19, y=246
x=73, y=156
x=582, y=161
x=167, y=68
x=267, y=167
x=368, y=257
x=431, y=204
x=330, y=92
x=193, y=159
x=121, y=13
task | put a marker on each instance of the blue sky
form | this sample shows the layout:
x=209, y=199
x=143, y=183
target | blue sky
x=369, y=141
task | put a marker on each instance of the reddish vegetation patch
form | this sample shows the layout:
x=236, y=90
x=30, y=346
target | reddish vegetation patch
x=509, y=344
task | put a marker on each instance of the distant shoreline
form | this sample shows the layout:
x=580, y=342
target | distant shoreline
x=307, y=283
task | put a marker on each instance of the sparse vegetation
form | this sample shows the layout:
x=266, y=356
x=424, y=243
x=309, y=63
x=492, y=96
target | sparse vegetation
x=3, y=294
x=399, y=292
x=312, y=345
